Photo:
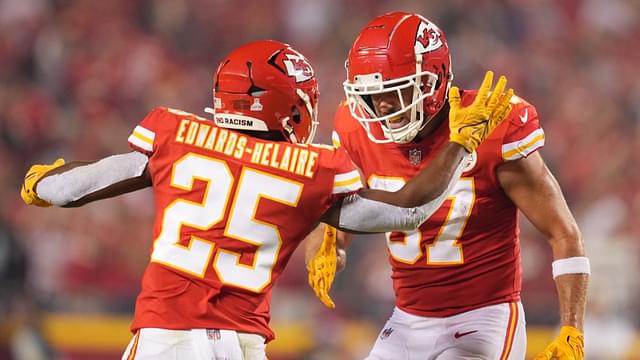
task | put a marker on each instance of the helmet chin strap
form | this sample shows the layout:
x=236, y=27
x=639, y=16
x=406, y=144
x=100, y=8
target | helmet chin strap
x=412, y=134
x=404, y=134
x=288, y=129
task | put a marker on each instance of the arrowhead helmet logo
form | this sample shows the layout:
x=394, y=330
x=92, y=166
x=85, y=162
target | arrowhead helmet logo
x=298, y=67
x=427, y=38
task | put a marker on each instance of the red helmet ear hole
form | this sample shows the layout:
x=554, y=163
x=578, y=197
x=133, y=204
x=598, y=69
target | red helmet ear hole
x=295, y=115
x=255, y=91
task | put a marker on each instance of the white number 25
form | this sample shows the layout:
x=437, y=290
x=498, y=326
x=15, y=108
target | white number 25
x=241, y=225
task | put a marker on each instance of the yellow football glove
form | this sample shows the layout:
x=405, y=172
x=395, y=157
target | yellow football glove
x=322, y=267
x=569, y=345
x=472, y=124
x=35, y=173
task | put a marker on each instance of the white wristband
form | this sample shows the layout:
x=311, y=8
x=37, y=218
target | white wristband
x=572, y=265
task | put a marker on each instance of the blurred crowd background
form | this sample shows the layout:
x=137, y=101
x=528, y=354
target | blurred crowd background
x=77, y=75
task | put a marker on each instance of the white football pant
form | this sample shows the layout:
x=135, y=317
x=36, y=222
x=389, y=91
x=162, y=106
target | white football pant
x=196, y=344
x=495, y=332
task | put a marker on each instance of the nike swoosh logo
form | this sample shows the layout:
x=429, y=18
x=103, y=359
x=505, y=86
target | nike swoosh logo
x=459, y=334
x=525, y=117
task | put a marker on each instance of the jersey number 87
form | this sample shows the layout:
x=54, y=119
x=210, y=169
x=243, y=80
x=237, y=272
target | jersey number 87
x=445, y=249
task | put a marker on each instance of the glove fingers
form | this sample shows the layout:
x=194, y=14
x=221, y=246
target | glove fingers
x=454, y=98
x=568, y=345
x=35, y=173
x=502, y=110
x=505, y=99
x=27, y=192
x=548, y=353
x=327, y=301
x=497, y=93
x=542, y=357
x=483, y=91
x=322, y=292
x=322, y=268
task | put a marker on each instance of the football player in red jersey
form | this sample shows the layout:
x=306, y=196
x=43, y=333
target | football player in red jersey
x=457, y=278
x=226, y=193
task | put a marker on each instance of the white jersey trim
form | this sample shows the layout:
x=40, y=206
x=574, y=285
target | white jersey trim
x=522, y=148
x=347, y=182
x=335, y=139
x=142, y=138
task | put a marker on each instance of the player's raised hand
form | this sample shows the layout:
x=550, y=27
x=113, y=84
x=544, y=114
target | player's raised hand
x=322, y=267
x=35, y=173
x=569, y=345
x=472, y=124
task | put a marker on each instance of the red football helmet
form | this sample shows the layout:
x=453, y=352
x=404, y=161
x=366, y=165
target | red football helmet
x=268, y=89
x=393, y=52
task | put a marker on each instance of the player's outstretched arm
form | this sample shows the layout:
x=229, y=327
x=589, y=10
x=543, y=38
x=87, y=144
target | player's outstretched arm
x=531, y=186
x=78, y=183
x=372, y=211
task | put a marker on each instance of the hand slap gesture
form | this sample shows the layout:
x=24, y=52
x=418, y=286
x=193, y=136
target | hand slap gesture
x=472, y=124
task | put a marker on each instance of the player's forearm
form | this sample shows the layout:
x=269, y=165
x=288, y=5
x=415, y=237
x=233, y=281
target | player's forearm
x=78, y=183
x=569, y=256
x=119, y=188
x=572, y=297
x=374, y=211
x=438, y=178
x=431, y=182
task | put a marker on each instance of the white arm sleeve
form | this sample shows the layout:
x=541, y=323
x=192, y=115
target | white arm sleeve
x=63, y=188
x=365, y=215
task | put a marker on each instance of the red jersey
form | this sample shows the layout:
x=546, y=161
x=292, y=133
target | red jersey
x=230, y=211
x=467, y=255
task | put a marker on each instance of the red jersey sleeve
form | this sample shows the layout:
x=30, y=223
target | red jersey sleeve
x=346, y=127
x=524, y=134
x=347, y=178
x=143, y=136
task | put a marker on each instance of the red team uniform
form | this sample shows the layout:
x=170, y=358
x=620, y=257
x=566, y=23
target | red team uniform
x=467, y=255
x=234, y=197
x=223, y=228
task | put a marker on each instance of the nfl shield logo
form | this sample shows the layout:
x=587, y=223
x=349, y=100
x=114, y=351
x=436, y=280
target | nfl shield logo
x=213, y=334
x=385, y=333
x=415, y=156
